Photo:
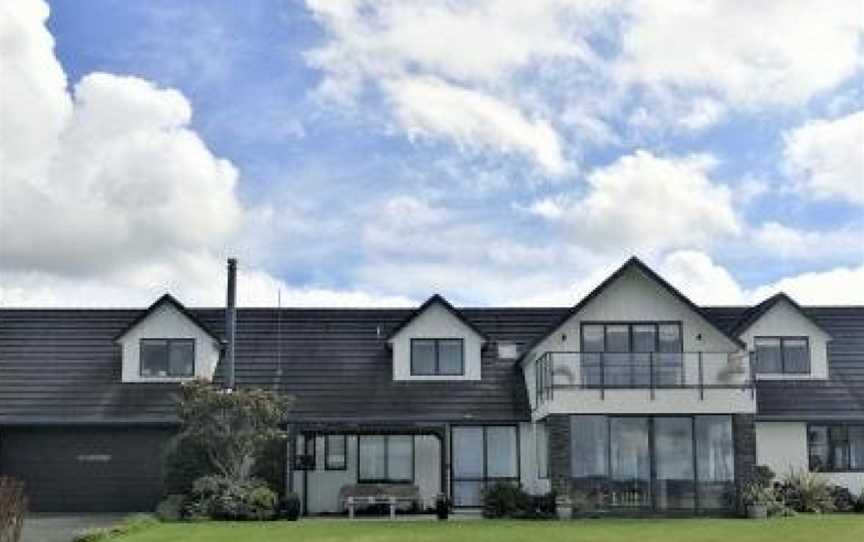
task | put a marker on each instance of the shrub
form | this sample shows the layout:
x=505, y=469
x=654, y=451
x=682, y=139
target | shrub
x=503, y=500
x=218, y=497
x=844, y=500
x=13, y=505
x=291, y=507
x=184, y=461
x=859, y=503
x=171, y=508
x=507, y=500
x=763, y=475
x=806, y=492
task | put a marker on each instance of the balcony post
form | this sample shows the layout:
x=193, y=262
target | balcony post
x=651, y=374
x=701, y=378
x=602, y=376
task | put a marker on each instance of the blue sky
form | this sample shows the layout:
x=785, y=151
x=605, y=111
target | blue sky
x=496, y=152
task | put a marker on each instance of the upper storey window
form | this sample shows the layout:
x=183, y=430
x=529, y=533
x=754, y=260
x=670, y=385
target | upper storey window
x=437, y=357
x=167, y=357
x=782, y=355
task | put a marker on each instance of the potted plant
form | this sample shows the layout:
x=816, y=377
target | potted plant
x=442, y=506
x=291, y=507
x=757, y=499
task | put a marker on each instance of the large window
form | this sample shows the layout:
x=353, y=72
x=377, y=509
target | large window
x=662, y=463
x=335, y=452
x=385, y=458
x=437, y=357
x=625, y=354
x=782, y=355
x=482, y=455
x=167, y=357
x=836, y=447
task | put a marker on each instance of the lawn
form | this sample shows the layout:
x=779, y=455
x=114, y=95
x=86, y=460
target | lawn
x=835, y=528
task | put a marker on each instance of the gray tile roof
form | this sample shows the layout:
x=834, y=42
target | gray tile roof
x=62, y=366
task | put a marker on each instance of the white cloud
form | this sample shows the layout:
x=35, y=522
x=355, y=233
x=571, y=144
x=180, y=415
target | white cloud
x=708, y=283
x=779, y=240
x=702, y=113
x=431, y=107
x=777, y=52
x=108, y=196
x=827, y=158
x=643, y=202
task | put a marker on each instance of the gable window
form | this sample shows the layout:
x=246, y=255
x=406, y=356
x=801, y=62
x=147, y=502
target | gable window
x=836, y=447
x=335, y=452
x=624, y=354
x=167, y=357
x=782, y=355
x=437, y=357
x=385, y=458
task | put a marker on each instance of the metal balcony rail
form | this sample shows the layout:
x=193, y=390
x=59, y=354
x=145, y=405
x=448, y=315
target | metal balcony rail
x=641, y=370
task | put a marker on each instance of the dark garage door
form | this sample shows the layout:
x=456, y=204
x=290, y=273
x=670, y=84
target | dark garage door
x=86, y=469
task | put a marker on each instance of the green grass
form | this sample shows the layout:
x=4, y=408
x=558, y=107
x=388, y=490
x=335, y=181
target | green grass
x=836, y=528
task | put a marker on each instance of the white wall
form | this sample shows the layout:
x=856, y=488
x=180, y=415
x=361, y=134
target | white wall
x=783, y=446
x=166, y=322
x=324, y=485
x=634, y=297
x=784, y=320
x=436, y=322
x=528, y=467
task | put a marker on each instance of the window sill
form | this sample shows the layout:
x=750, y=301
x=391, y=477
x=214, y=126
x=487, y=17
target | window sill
x=789, y=376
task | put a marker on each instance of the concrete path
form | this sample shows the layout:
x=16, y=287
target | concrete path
x=62, y=527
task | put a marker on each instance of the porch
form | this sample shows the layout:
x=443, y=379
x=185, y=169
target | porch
x=370, y=463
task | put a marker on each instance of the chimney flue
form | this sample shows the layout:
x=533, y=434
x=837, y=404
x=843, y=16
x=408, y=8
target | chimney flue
x=230, y=322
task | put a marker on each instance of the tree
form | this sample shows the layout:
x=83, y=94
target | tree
x=231, y=429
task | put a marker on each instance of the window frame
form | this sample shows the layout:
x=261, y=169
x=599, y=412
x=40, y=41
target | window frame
x=308, y=439
x=630, y=325
x=168, y=341
x=437, y=341
x=783, y=339
x=485, y=478
x=828, y=426
x=387, y=479
x=327, y=463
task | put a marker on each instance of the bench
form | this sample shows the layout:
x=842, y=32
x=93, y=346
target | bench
x=354, y=496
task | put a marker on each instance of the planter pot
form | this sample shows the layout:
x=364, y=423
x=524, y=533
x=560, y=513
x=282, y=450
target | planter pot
x=757, y=511
x=442, y=507
x=564, y=508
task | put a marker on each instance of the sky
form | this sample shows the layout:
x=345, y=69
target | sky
x=360, y=153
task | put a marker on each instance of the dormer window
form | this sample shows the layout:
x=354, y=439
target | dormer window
x=782, y=355
x=162, y=358
x=437, y=357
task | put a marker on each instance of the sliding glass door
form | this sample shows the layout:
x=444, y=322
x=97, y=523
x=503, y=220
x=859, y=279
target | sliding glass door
x=482, y=455
x=660, y=463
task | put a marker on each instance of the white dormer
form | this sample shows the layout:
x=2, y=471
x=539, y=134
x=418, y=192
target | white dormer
x=167, y=344
x=786, y=343
x=436, y=343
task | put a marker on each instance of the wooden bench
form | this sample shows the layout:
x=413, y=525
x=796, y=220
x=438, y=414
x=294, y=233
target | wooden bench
x=355, y=496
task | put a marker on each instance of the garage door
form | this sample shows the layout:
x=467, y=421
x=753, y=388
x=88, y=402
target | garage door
x=86, y=469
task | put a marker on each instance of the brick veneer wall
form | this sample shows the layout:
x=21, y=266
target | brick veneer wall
x=558, y=428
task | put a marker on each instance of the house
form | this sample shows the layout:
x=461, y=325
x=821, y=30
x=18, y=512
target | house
x=633, y=400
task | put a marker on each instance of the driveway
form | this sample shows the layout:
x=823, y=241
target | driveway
x=62, y=527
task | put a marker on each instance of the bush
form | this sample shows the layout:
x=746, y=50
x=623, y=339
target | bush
x=859, y=503
x=291, y=507
x=13, y=505
x=184, y=461
x=763, y=475
x=171, y=508
x=218, y=497
x=507, y=500
x=806, y=492
x=844, y=500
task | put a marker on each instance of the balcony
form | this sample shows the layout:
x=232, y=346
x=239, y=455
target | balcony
x=636, y=382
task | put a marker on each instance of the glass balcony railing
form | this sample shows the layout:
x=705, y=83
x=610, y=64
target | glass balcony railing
x=640, y=370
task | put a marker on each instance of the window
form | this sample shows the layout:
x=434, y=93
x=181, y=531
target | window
x=659, y=463
x=836, y=447
x=167, y=357
x=304, y=453
x=436, y=357
x=782, y=355
x=385, y=458
x=623, y=354
x=335, y=452
x=482, y=455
